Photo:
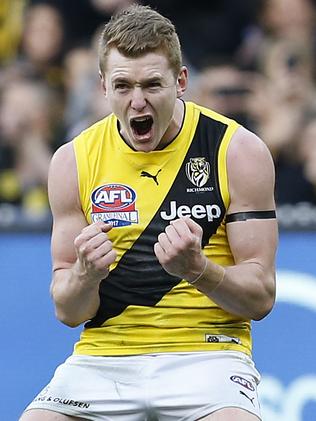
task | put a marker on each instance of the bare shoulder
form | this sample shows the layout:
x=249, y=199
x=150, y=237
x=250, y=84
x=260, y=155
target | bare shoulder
x=247, y=146
x=250, y=171
x=64, y=157
x=62, y=179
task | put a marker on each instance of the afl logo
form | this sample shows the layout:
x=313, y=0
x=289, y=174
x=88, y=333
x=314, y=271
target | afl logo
x=198, y=171
x=242, y=382
x=113, y=196
x=115, y=204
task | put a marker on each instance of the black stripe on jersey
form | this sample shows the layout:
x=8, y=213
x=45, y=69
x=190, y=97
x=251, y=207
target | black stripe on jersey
x=139, y=279
x=244, y=216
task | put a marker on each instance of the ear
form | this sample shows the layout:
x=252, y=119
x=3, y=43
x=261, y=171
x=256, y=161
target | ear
x=102, y=83
x=182, y=81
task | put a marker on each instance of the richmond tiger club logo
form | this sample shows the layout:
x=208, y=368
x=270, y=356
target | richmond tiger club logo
x=114, y=204
x=198, y=171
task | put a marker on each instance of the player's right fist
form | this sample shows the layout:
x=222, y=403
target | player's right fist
x=94, y=252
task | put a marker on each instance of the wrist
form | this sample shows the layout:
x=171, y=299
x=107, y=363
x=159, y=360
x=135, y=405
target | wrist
x=211, y=276
x=199, y=276
x=84, y=278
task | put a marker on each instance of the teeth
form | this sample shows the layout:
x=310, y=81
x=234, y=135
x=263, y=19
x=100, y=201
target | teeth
x=140, y=119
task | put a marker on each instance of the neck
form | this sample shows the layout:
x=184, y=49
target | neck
x=175, y=124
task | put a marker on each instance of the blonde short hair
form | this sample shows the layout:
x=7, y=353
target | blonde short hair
x=138, y=30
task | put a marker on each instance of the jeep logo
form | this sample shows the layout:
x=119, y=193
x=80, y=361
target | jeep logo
x=197, y=211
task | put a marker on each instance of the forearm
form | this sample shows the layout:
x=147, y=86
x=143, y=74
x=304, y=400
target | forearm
x=75, y=297
x=245, y=289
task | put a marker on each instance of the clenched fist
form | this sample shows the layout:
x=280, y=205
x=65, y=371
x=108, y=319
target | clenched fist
x=178, y=249
x=94, y=252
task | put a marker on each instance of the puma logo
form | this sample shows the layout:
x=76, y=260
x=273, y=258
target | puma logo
x=154, y=177
x=244, y=394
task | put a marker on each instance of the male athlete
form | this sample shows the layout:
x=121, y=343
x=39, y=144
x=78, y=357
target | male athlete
x=163, y=245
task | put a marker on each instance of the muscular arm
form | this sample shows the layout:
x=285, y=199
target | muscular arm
x=246, y=288
x=81, y=253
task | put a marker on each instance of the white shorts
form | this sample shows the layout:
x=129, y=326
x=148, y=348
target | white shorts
x=164, y=387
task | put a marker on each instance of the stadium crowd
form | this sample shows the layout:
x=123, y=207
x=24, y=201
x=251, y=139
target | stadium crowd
x=252, y=60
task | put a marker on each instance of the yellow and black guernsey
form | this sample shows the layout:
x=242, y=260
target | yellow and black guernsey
x=143, y=309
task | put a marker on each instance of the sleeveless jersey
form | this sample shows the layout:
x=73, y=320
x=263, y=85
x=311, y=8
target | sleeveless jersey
x=142, y=308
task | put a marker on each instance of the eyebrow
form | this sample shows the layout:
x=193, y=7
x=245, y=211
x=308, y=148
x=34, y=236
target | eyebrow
x=141, y=82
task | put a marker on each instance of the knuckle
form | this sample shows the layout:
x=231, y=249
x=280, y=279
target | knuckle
x=89, y=260
x=100, y=265
x=105, y=247
x=78, y=241
x=161, y=236
x=169, y=228
x=111, y=255
x=103, y=236
x=82, y=249
x=108, y=243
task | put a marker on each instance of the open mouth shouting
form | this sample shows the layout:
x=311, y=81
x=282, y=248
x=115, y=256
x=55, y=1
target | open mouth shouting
x=142, y=127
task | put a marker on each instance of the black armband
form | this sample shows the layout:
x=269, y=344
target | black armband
x=244, y=216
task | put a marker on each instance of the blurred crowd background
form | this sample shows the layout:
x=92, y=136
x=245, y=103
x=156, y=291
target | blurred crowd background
x=252, y=60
